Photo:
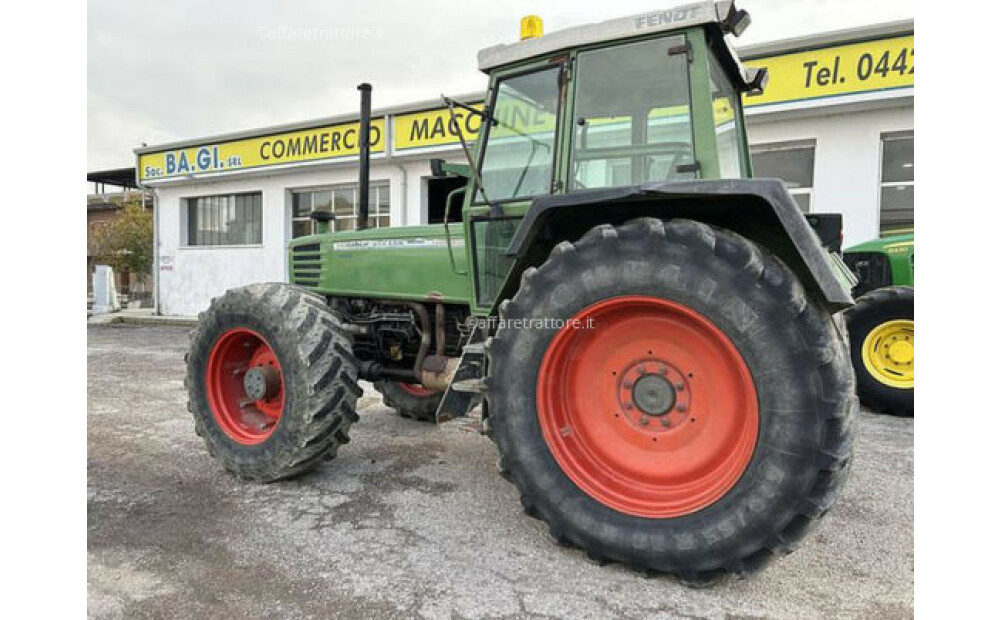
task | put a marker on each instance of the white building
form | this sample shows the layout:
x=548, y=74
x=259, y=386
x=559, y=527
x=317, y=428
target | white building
x=835, y=122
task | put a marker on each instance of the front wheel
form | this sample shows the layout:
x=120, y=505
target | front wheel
x=665, y=395
x=882, y=346
x=271, y=380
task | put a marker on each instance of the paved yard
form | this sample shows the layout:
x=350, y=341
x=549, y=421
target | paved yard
x=413, y=521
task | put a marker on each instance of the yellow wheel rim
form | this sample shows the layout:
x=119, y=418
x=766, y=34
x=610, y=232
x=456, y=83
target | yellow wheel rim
x=888, y=353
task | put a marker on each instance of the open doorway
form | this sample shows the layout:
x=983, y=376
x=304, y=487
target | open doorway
x=438, y=189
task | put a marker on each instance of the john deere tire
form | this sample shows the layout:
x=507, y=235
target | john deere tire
x=881, y=329
x=410, y=401
x=692, y=415
x=271, y=380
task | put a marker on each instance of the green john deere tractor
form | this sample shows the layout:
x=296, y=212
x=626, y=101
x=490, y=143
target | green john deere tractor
x=654, y=336
x=881, y=324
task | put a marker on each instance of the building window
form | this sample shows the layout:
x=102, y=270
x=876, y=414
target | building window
x=343, y=202
x=896, y=202
x=233, y=219
x=792, y=162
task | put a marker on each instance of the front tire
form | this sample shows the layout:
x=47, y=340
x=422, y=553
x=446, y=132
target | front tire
x=702, y=426
x=882, y=345
x=271, y=380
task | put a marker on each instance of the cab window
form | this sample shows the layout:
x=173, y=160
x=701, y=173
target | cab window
x=725, y=118
x=632, y=115
x=517, y=160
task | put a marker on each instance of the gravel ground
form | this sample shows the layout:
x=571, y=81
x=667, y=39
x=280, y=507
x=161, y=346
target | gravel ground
x=413, y=521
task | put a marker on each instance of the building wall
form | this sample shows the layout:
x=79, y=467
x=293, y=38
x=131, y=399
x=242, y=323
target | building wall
x=848, y=158
x=190, y=276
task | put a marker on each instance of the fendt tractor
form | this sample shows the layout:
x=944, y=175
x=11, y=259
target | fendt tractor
x=651, y=337
x=881, y=323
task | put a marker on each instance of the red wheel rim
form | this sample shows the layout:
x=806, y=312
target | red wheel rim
x=606, y=412
x=415, y=389
x=245, y=419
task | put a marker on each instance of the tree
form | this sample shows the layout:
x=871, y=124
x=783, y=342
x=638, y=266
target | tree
x=126, y=243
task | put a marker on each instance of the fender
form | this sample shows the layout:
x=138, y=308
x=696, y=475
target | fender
x=759, y=209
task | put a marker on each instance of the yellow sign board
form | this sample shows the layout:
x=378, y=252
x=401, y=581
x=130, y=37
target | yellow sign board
x=722, y=111
x=840, y=70
x=434, y=128
x=319, y=143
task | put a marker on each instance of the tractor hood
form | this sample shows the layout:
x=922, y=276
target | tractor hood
x=883, y=244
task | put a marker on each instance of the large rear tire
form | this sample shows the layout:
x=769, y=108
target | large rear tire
x=409, y=400
x=696, y=419
x=882, y=346
x=271, y=380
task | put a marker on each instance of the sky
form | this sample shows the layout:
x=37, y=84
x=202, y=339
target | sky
x=164, y=71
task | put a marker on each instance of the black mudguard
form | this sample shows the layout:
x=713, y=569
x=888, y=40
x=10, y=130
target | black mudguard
x=759, y=209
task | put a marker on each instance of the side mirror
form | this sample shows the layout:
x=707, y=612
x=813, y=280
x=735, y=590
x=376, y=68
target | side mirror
x=736, y=22
x=758, y=80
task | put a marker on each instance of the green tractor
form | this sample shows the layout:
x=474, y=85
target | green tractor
x=654, y=337
x=881, y=324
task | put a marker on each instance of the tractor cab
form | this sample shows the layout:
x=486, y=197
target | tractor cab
x=653, y=97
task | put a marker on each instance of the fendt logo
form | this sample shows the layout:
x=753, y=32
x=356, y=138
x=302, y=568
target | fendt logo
x=657, y=19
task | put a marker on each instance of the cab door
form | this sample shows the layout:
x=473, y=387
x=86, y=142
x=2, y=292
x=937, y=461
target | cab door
x=518, y=154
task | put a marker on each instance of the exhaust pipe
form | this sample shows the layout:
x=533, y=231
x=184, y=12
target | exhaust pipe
x=364, y=153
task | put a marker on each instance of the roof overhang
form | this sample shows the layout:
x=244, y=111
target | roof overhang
x=120, y=177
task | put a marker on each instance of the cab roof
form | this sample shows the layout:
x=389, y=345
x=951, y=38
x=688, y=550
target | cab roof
x=722, y=14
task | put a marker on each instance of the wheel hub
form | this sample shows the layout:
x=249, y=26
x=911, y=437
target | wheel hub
x=653, y=395
x=261, y=382
x=901, y=352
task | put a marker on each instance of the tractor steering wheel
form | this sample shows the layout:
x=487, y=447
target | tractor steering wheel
x=677, y=151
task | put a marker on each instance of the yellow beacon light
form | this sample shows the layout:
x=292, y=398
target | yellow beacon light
x=531, y=27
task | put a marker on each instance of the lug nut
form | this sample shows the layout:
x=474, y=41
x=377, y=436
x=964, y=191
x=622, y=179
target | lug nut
x=679, y=387
x=644, y=420
x=682, y=408
x=664, y=422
